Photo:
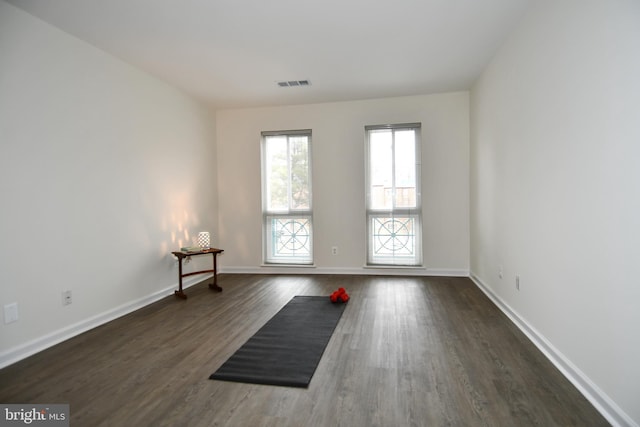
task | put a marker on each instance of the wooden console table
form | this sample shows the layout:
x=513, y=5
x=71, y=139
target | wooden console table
x=182, y=255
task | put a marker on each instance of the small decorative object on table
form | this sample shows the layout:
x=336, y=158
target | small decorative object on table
x=204, y=240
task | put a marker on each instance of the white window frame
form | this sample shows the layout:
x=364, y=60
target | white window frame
x=394, y=233
x=287, y=231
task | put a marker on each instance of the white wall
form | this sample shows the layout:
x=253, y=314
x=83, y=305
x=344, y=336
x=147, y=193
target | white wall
x=103, y=171
x=555, y=193
x=338, y=178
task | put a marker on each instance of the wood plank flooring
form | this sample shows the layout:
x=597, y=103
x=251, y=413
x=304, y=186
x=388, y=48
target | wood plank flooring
x=408, y=351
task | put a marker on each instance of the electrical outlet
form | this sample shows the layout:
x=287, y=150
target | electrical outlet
x=334, y=250
x=66, y=298
x=517, y=283
x=11, y=313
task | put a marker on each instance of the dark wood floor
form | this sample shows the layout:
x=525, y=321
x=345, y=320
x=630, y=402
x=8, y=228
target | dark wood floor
x=408, y=351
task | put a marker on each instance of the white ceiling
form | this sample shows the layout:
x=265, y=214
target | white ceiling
x=232, y=53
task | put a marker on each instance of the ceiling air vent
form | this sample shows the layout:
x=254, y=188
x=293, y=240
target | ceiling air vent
x=293, y=83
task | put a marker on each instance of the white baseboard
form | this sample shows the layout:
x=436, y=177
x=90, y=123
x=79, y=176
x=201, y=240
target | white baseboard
x=23, y=351
x=365, y=271
x=603, y=403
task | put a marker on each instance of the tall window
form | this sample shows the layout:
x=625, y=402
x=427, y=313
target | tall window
x=286, y=197
x=394, y=232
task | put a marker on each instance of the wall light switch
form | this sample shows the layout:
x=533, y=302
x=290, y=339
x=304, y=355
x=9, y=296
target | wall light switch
x=11, y=313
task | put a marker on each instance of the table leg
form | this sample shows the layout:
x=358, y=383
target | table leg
x=179, y=293
x=214, y=285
